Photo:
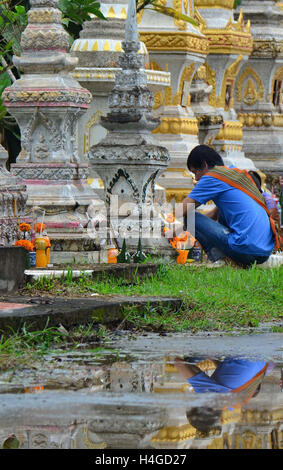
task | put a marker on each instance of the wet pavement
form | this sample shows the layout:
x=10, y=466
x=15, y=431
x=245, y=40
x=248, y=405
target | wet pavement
x=131, y=393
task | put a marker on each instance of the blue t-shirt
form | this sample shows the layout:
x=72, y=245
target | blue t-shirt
x=251, y=233
x=229, y=375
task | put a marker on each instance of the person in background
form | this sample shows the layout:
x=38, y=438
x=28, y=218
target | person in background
x=271, y=204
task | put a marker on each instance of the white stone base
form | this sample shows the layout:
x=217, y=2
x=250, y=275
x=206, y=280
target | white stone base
x=73, y=257
x=273, y=261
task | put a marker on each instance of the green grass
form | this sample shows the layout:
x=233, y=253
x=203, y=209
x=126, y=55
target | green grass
x=24, y=346
x=214, y=299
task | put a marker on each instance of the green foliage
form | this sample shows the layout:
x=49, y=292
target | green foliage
x=75, y=12
x=237, y=3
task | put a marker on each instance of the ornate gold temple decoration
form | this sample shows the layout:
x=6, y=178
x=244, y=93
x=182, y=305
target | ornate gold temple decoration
x=179, y=194
x=168, y=95
x=250, y=93
x=44, y=16
x=176, y=125
x=44, y=39
x=267, y=48
x=262, y=416
x=158, y=100
x=225, y=100
x=211, y=80
x=249, y=73
x=187, y=74
x=206, y=364
x=231, y=130
x=43, y=97
x=235, y=38
x=277, y=76
x=168, y=41
x=175, y=433
x=229, y=4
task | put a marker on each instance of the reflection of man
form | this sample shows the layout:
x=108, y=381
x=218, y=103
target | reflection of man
x=230, y=375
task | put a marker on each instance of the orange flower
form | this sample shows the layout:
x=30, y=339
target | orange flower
x=39, y=227
x=182, y=256
x=170, y=218
x=26, y=244
x=24, y=227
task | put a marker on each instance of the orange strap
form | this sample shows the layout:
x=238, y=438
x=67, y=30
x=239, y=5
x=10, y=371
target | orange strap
x=225, y=179
x=242, y=387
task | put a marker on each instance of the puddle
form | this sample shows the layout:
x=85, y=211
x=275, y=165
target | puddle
x=123, y=396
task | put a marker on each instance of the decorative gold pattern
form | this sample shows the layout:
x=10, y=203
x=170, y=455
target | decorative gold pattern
x=249, y=72
x=261, y=119
x=153, y=76
x=179, y=194
x=267, y=48
x=250, y=93
x=228, y=42
x=231, y=130
x=228, y=79
x=44, y=15
x=158, y=100
x=211, y=80
x=235, y=38
x=168, y=41
x=11, y=96
x=177, y=126
x=277, y=76
x=44, y=39
x=175, y=433
x=187, y=74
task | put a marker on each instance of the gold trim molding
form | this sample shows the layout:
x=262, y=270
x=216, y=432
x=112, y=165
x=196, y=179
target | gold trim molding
x=235, y=38
x=231, y=130
x=215, y=4
x=177, y=126
x=171, y=41
x=179, y=194
x=261, y=119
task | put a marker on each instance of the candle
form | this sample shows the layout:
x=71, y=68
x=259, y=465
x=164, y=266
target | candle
x=15, y=207
x=166, y=67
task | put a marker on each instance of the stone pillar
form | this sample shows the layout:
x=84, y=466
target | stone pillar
x=13, y=197
x=230, y=44
x=47, y=101
x=129, y=159
x=181, y=48
x=259, y=89
x=98, y=50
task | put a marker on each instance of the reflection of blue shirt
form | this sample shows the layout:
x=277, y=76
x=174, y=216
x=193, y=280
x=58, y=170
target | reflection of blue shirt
x=229, y=375
x=251, y=233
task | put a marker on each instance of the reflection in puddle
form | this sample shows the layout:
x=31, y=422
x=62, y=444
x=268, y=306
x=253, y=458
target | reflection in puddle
x=104, y=399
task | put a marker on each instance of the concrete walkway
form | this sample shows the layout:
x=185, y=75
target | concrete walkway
x=106, y=309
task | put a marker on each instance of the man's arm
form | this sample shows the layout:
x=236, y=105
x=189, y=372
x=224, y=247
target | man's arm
x=189, y=204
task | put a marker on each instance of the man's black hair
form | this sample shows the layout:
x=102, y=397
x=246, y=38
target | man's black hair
x=202, y=154
x=257, y=179
x=204, y=418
